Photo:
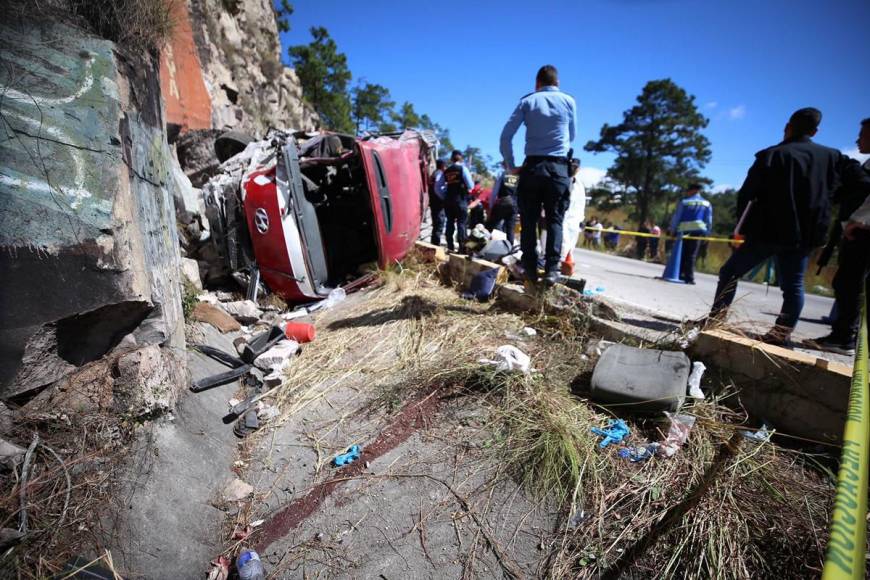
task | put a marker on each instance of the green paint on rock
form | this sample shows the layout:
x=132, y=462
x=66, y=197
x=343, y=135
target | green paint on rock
x=61, y=150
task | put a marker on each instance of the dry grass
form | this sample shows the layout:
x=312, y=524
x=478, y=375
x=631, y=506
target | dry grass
x=136, y=25
x=72, y=474
x=764, y=514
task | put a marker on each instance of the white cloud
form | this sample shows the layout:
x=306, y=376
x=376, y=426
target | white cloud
x=854, y=154
x=591, y=176
x=737, y=112
x=711, y=105
x=721, y=187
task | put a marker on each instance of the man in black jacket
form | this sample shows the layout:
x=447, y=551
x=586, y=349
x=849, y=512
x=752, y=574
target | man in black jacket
x=854, y=263
x=790, y=187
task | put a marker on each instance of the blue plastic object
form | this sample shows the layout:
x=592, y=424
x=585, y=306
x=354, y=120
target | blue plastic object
x=615, y=432
x=482, y=285
x=249, y=566
x=638, y=454
x=672, y=270
x=596, y=291
x=352, y=455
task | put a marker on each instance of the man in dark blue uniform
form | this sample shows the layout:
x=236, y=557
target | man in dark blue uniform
x=459, y=184
x=545, y=181
x=437, y=197
x=503, y=204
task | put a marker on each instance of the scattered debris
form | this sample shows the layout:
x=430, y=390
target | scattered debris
x=9, y=452
x=335, y=296
x=277, y=357
x=220, y=569
x=593, y=292
x=237, y=490
x=529, y=331
x=301, y=332
x=615, y=431
x=509, y=358
x=245, y=311
x=689, y=338
x=639, y=453
x=643, y=379
x=350, y=456
x=678, y=433
x=266, y=412
x=247, y=424
x=190, y=271
x=212, y=314
x=482, y=285
x=598, y=347
x=249, y=566
x=698, y=369
x=759, y=436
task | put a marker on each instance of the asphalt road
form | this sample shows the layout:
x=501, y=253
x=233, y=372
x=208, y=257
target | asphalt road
x=636, y=283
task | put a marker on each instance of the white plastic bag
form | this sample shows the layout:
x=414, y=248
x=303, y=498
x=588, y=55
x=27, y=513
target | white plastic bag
x=335, y=296
x=678, y=434
x=698, y=369
x=509, y=358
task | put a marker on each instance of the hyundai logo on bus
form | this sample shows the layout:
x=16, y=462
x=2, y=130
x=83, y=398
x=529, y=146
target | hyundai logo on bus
x=261, y=220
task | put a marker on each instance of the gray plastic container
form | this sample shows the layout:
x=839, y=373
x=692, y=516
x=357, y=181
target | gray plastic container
x=641, y=379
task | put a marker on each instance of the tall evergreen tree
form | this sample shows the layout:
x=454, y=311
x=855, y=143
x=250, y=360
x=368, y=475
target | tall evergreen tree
x=371, y=105
x=324, y=75
x=659, y=146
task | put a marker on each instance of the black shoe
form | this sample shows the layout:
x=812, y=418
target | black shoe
x=690, y=282
x=833, y=343
x=552, y=277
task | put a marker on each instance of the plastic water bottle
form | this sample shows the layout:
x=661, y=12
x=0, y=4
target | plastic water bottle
x=249, y=566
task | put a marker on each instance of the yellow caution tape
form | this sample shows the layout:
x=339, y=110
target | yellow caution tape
x=847, y=542
x=663, y=236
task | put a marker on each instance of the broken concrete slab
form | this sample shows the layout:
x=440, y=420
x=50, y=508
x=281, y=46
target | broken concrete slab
x=276, y=357
x=639, y=379
x=190, y=271
x=9, y=452
x=214, y=315
x=236, y=490
x=245, y=311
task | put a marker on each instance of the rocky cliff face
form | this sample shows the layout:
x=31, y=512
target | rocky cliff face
x=89, y=258
x=240, y=53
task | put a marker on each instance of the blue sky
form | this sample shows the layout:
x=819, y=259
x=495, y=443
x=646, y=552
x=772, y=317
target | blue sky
x=749, y=64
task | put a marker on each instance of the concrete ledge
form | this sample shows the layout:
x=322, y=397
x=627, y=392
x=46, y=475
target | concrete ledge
x=461, y=269
x=430, y=252
x=797, y=393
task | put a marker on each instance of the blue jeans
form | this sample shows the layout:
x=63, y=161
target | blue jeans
x=792, y=263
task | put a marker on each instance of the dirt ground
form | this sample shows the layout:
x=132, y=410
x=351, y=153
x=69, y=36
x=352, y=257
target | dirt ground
x=429, y=497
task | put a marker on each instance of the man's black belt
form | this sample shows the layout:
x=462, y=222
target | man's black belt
x=540, y=158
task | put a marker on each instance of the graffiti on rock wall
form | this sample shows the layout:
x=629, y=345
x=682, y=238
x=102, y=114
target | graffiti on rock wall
x=59, y=111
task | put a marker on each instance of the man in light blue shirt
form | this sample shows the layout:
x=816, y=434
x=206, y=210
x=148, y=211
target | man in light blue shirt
x=437, y=197
x=545, y=181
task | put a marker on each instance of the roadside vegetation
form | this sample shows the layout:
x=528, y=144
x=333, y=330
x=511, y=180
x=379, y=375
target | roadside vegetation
x=723, y=506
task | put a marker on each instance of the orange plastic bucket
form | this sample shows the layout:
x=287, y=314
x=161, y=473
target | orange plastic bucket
x=301, y=332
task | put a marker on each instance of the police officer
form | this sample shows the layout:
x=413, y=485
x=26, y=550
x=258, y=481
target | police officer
x=693, y=217
x=437, y=197
x=459, y=184
x=503, y=204
x=549, y=116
